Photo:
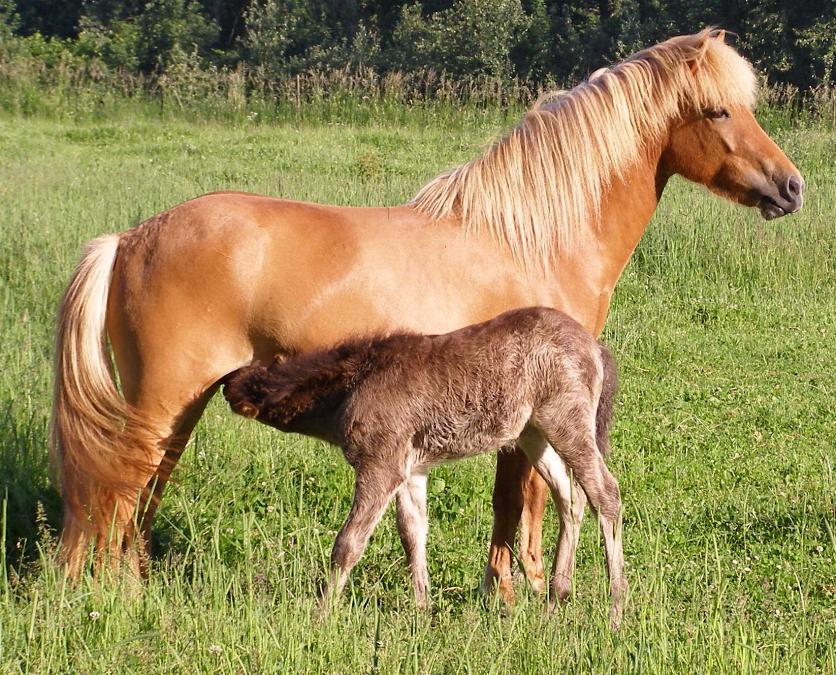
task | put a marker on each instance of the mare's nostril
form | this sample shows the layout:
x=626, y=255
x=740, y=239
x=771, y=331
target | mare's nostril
x=794, y=186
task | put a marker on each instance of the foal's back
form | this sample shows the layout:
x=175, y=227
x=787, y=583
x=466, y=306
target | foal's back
x=467, y=392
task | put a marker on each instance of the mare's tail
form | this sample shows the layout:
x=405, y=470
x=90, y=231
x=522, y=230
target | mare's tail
x=95, y=438
x=609, y=387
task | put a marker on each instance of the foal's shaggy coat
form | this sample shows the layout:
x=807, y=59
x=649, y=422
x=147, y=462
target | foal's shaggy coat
x=401, y=404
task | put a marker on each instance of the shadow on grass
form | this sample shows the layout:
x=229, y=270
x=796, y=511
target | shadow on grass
x=741, y=530
x=31, y=503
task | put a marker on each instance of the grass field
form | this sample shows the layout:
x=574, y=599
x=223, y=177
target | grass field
x=724, y=327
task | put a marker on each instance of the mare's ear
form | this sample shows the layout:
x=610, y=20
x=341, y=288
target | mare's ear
x=706, y=36
x=596, y=74
x=720, y=35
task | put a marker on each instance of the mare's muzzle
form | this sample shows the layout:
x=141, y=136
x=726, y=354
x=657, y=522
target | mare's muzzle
x=786, y=197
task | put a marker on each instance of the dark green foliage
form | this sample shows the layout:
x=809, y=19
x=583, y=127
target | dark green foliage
x=290, y=36
x=472, y=37
x=534, y=40
x=144, y=36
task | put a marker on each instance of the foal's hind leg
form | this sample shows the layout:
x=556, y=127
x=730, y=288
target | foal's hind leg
x=412, y=526
x=570, y=502
x=572, y=433
x=373, y=490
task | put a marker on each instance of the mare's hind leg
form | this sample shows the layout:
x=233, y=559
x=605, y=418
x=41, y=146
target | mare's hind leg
x=170, y=398
x=373, y=490
x=412, y=526
x=173, y=446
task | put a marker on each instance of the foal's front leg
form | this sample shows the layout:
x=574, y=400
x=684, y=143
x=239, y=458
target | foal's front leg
x=373, y=490
x=412, y=526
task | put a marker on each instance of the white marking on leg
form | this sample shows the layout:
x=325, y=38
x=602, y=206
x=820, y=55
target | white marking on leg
x=413, y=526
x=570, y=501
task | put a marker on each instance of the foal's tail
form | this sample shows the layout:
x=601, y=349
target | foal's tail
x=609, y=387
x=94, y=434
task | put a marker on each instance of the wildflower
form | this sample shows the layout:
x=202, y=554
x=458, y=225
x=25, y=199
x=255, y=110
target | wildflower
x=215, y=649
x=94, y=615
x=271, y=508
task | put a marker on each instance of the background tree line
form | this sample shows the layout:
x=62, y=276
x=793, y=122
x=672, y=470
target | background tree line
x=538, y=41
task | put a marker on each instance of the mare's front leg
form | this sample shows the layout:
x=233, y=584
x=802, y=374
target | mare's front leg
x=512, y=472
x=412, y=527
x=374, y=488
x=519, y=491
x=535, y=496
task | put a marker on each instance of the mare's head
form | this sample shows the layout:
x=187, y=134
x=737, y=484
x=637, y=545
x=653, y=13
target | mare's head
x=717, y=141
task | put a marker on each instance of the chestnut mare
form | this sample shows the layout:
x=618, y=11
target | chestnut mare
x=549, y=215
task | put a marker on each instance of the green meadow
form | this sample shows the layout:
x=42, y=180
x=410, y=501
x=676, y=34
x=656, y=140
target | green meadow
x=724, y=327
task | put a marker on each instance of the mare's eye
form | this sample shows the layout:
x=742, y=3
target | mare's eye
x=717, y=113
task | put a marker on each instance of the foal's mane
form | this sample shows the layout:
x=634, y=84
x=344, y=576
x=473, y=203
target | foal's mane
x=537, y=187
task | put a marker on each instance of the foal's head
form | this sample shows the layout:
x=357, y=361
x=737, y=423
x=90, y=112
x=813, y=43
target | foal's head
x=300, y=393
x=718, y=143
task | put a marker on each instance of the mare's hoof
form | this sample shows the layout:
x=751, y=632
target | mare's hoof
x=499, y=588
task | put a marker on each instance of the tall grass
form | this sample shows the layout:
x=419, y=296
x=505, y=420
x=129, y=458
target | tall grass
x=723, y=443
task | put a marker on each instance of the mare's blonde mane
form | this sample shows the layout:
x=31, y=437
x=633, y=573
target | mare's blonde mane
x=534, y=190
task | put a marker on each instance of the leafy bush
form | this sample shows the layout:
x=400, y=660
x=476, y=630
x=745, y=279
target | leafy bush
x=444, y=45
x=144, y=40
x=472, y=37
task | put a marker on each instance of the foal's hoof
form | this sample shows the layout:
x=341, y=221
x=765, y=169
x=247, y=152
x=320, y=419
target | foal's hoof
x=561, y=592
x=619, y=594
x=616, y=614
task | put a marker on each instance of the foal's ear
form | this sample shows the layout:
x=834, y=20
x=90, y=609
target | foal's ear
x=245, y=409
